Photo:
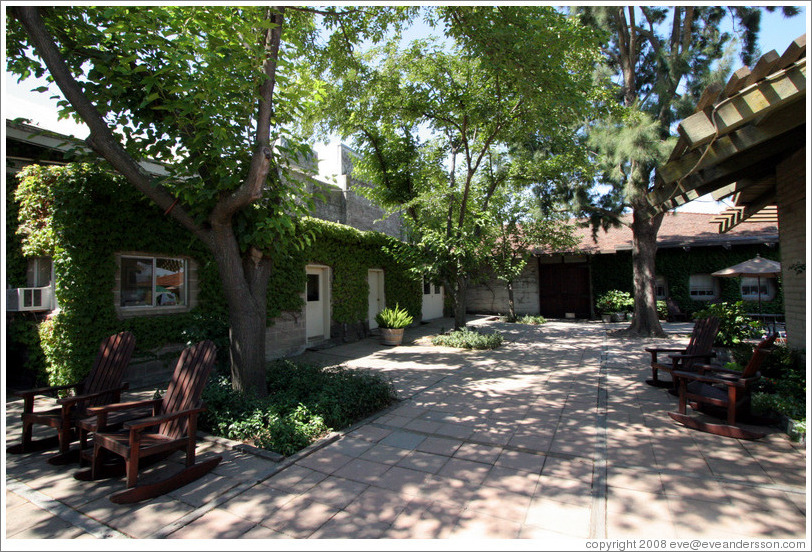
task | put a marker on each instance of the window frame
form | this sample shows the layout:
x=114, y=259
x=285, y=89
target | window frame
x=181, y=305
x=768, y=284
x=694, y=289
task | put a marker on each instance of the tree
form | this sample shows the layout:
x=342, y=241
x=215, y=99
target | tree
x=205, y=91
x=424, y=120
x=662, y=58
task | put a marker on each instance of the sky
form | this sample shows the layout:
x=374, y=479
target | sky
x=18, y=101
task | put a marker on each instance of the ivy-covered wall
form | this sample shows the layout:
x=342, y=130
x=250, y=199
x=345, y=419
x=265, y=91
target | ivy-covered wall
x=676, y=265
x=81, y=216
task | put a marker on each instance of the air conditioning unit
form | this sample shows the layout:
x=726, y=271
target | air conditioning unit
x=30, y=299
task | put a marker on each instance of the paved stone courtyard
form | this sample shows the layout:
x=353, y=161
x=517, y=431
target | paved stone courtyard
x=553, y=436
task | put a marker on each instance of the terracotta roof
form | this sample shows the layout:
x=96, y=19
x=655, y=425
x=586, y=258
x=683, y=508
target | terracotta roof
x=679, y=229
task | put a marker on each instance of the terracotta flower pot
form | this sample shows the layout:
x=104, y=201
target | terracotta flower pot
x=392, y=336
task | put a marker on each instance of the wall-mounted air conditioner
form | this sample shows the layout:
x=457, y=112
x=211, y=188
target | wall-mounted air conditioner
x=30, y=299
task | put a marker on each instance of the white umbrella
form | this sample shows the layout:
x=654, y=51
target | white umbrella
x=758, y=267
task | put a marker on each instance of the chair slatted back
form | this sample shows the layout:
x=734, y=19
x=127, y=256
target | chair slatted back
x=759, y=354
x=109, y=367
x=702, y=336
x=186, y=386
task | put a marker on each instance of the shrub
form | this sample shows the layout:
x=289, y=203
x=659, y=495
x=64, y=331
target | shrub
x=662, y=310
x=393, y=318
x=614, y=301
x=734, y=324
x=304, y=403
x=532, y=320
x=469, y=339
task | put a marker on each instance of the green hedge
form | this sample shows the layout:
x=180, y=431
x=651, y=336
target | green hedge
x=676, y=265
x=81, y=217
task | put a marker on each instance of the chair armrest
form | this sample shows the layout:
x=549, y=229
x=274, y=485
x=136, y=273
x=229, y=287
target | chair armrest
x=739, y=382
x=96, y=410
x=41, y=390
x=79, y=398
x=662, y=350
x=142, y=423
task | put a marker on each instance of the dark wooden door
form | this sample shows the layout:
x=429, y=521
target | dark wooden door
x=563, y=288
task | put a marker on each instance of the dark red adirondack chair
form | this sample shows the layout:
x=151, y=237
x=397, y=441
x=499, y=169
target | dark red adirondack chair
x=172, y=427
x=726, y=390
x=699, y=350
x=101, y=386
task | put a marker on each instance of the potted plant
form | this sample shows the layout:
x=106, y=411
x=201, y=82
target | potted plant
x=391, y=322
x=612, y=303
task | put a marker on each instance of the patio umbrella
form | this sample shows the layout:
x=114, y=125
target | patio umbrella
x=758, y=267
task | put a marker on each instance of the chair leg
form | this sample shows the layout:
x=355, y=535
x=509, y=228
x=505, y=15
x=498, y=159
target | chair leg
x=28, y=431
x=132, y=468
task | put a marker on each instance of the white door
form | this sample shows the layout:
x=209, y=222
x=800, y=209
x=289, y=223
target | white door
x=317, y=311
x=432, y=301
x=376, y=297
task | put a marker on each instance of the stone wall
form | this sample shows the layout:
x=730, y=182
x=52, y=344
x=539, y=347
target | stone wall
x=492, y=297
x=287, y=336
x=791, y=191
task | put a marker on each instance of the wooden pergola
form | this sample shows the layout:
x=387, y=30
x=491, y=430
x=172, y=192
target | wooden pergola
x=731, y=144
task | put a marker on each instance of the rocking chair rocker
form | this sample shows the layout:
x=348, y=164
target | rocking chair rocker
x=173, y=426
x=101, y=386
x=714, y=386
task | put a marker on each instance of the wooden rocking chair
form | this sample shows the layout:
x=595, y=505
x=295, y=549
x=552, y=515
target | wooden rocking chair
x=714, y=386
x=699, y=349
x=101, y=386
x=173, y=426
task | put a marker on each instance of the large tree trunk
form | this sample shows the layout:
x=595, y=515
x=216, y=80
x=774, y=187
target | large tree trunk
x=245, y=285
x=646, y=322
x=458, y=290
x=511, y=302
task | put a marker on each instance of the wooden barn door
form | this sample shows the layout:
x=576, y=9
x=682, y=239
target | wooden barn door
x=563, y=288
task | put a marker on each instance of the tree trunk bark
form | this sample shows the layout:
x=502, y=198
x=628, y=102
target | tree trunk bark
x=458, y=299
x=646, y=322
x=245, y=284
x=511, y=302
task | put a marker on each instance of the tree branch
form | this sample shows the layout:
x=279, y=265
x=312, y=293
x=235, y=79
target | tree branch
x=101, y=139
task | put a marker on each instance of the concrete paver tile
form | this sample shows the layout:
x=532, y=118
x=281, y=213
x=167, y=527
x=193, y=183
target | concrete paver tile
x=370, y=433
x=258, y=502
x=692, y=488
x=637, y=514
x=424, y=426
x=260, y=532
x=475, y=525
x=403, y=439
x=485, y=454
x=338, y=492
x=456, y=431
x=423, y=461
x=300, y=518
x=243, y=466
x=361, y=470
x=385, y=454
x=295, y=479
x=534, y=443
x=351, y=446
x=515, y=481
x=345, y=525
x=561, y=517
x=525, y=461
x=465, y=470
x=325, y=460
x=634, y=479
x=377, y=505
x=440, y=445
x=216, y=524
x=137, y=520
x=580, y=469
x=447, y=490
x=403, y=480
x=571, y=491
x=424, y=520
x=500, y=503
x=204, y=490
x=25, y=516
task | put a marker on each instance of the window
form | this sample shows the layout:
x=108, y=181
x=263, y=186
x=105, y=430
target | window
x=313, y=287
x=750, y=288
x=660, y=289
x=153, y=282
x=703, y=287
x=38, y=273
x=426, y=287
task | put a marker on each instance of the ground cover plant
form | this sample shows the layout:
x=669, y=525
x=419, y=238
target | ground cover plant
x=526, y=319
x=469, y=339
x=304, y=403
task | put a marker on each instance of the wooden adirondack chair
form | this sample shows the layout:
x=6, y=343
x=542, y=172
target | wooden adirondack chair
x=101, y=386
x=173, y=426
x=715, y=387
x=699, y=350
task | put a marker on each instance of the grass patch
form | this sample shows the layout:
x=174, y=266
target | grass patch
x=304, y=403
x=469, y=339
